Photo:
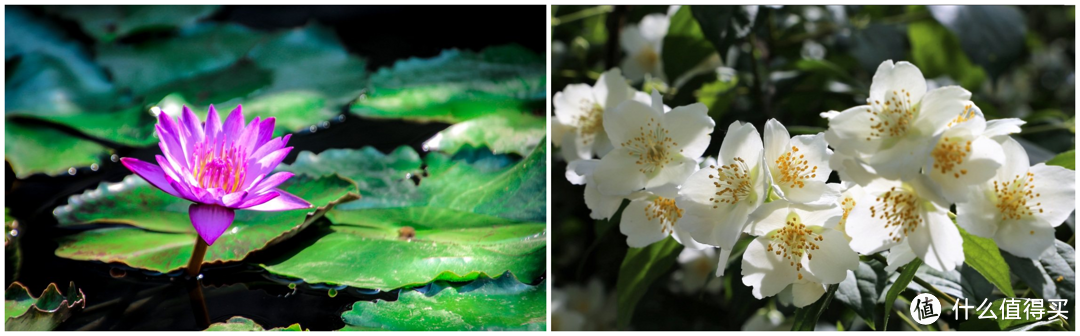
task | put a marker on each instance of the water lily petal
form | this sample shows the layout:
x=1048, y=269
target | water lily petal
x=212, y=126
x=210, y=221
x=171, y=147
x=251, y=200
x=268, y=162
x=232, y=199
x=151, y=173
x=191, y=126
x=270, y=182
x=266, y=132
x=284, y=201
x=234, y=125
x=246, y=141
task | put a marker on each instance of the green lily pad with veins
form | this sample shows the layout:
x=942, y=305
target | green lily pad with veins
x=107, y=23
x=240, y=323
x=157, y=233
x=486, y=304
x=456, y=86
x=462, y=221
x=24, y=312
x=502, y=133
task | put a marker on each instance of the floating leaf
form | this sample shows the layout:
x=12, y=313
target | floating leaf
x=240, y=323
x=23, y=312
x=509, y=133
x=983, y=255
x=640, y=269
x=26, y=34
x=457, y=86
x=33, y=148
x=461, y=222
x=485, y=304
x=158, y=234
x=107, y=23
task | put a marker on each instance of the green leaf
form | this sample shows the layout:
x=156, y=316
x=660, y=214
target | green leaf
x=107, y=23
x=724, y=25
x=718, y=95
x=1061, y=267
x=936, y=52
x=639, y=270
x=1032, y=273
x=1066, y=159
x=991, y=36
x=506, y=133
x=457, y=86
x=685, y=45
x=516, y=193
x=898, y=286
x=23, y=312
x=983, y=255
x=26, y=34
x=806, y=318
x=158, y=234
x=240, y=323
x=482, y=305
x=33, y=148
x=862, y=291
x=477, y=220
x=194, y=51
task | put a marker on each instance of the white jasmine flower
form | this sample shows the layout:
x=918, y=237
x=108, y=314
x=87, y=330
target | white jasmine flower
x=579, y=114
x=652, y=216
x=642, y=43
x=850, y=168
x=720, y=198
x=652, y=148
x=799, y=166
x=850, y=193
x=896, y=131
x=796, y=246
x=894, y=212
x=963, y=157
x=602, y=206
x=696, y=270
x=583, y=308
x=1020, y=206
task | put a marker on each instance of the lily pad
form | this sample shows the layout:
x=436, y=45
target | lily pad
x=499, y=304
x=240, y=323
x=27, y=34
x=158, y=234
x=456, y=86
x=461, y=222
x=33, y=148
x=107, y=23
x=274, y=80
x=508, y=133
x=23, y=312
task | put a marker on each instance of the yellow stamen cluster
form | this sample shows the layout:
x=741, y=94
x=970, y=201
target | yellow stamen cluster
x=894, y=117
x=949, y=153
x=899, y=210
x=793, y=170
x=793, y=240
x=665, y=210
x=732, y=182
x=590, y=123
x=219, y=167
x=967, y=114
x=847, y=204
x=1016, y=199
x=652, y=146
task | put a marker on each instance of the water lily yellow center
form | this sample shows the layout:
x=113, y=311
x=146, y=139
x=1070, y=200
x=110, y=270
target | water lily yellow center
x=652, y=147
x=219, y=168
x=1017, y=199
x=899, y=210
x=892, y=118
x=794, y=240
x=950, y=152
x=792, y=169
x=733, y=183
x=664, y=209
x=590, y=123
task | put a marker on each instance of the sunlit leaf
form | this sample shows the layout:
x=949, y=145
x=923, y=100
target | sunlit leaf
x=457, y=86
x=685, y=45
x=33, y=148
x=983, y=255
x=485, y=304
x=24, y=312
x=506, y=133
x=898, y=286
x=240, y=323
x=1066, y=159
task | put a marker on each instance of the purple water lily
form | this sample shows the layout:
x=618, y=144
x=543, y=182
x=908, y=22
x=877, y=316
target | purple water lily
x=221, y=168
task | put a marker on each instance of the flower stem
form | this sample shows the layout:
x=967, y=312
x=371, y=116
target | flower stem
x=197, y=255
